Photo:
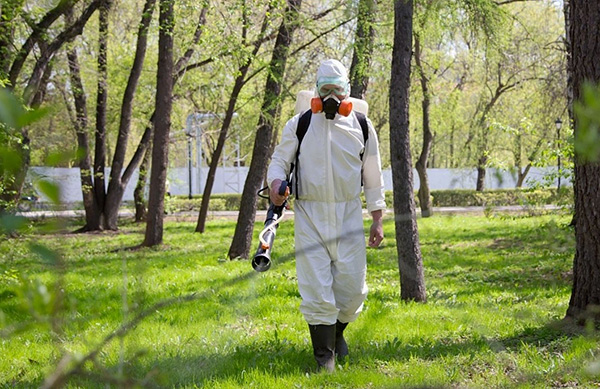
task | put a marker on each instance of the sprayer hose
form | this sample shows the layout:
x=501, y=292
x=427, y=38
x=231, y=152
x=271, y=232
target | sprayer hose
x=270, y=227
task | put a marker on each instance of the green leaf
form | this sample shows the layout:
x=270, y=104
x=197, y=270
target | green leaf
x=10, y=223
x=29, y=117
x=47, y=255
x=59, y=157
x=10, y=161
x=10, y=109
x=50, y=189
x=587, y=136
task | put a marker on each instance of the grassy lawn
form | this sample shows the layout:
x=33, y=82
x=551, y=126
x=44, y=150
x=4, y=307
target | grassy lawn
x=498, y=288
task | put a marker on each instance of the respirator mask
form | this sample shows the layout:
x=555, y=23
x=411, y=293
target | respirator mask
x=331, y=98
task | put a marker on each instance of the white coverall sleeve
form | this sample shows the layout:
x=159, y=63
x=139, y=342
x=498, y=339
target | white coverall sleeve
x=373, y=185
x=284, y=153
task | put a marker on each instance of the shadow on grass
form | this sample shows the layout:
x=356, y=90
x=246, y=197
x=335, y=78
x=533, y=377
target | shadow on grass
x=280, y=359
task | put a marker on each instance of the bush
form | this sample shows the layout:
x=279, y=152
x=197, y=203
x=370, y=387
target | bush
x=440, y=198
x=501, y=197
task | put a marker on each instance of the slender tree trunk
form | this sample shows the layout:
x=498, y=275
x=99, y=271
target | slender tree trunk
x=481, y=171
x=141, y=210
x=214, y=163
x=453, y=163
x=116, y=185
x=36, y=84
x=363, y=48
x=421, y=166
x=410, y=261
x=116, y=192
x=40, y=96
x=242, y=238
x=160, y=148
x=101, y=101
x=569, y=50
x=92, y=213
x=522, y=174
x=585, y=65
x=15, y=189
x=237, y=88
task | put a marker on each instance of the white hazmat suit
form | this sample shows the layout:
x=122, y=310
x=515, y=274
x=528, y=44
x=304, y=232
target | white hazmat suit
x=329, y=234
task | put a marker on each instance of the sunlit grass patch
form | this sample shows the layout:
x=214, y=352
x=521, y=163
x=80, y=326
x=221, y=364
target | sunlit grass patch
x=497, y=291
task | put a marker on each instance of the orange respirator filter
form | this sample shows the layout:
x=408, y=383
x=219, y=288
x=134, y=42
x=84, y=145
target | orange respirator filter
x=345, y=108
x=316, y=106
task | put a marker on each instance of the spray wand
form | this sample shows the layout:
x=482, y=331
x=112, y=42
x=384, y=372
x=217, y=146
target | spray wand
x=262, y=259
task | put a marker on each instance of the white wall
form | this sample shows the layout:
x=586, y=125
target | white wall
x=231, y=180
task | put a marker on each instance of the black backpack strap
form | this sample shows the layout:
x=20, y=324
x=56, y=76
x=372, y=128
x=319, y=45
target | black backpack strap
x=364, y=126
x=303, y=124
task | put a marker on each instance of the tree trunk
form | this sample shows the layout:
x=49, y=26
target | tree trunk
x=160, y=148
x=101, y=101
x=585, y=65
x=421, y=166
x=40, y=95
x=363, y=48
x=141, y=210
x=410, y=261
x=116, y=186
x=237, y=88
x=116, y=192
x=481, y=163
x=569, y=51
x=521, y=175
x=15, y=189
x=483, y=149
x=242, y=238
x=92, y=213
x=210, y=178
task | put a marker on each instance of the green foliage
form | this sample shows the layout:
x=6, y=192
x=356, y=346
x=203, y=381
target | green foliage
x=587, y=134
x=497, y=289
x=501, y=197
x=14, y=116
x=441, y=198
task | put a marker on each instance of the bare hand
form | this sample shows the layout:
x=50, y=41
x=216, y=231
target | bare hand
x=276, y=198
x=376, y=232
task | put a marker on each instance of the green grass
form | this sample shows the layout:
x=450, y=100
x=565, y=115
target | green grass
x=497, y=289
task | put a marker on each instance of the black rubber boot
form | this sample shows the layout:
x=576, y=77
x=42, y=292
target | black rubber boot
x=341, y=348
x=323, y=340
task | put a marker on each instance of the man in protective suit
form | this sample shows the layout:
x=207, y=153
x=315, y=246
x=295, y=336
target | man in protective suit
x=333, y=161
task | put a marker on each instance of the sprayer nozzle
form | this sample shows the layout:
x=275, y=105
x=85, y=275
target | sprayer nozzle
x=261, y=263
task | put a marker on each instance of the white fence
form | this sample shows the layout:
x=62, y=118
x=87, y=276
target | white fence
x=231, y=180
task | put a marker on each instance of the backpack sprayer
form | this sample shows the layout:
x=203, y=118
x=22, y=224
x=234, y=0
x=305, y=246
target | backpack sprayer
x=262, y=259
x=305, y=101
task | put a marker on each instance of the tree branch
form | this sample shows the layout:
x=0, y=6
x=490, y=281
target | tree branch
x=302, y=47
x=260, y=40
x=36, y=35
x=67, y=35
